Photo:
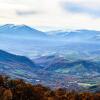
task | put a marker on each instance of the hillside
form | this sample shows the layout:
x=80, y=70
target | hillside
x=57, y=64
x=17, y=66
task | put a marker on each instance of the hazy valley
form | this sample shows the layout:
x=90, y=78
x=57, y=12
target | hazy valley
x=61, y=59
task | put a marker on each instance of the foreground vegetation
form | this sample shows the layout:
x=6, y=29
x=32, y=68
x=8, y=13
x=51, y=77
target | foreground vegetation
x=19, y=90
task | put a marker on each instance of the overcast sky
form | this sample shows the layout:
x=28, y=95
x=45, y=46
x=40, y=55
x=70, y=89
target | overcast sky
x=52, y=14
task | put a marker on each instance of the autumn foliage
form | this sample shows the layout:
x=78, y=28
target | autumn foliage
x=19, y=90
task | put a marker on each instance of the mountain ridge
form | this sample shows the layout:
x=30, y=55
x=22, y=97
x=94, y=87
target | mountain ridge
x=20, y=29
x=90, y=35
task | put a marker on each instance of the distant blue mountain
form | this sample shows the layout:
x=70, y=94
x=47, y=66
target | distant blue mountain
x=12, y=29
x=23, y=30
x=90, y=35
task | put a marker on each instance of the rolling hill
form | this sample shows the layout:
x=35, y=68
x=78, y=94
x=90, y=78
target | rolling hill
x=63, y=65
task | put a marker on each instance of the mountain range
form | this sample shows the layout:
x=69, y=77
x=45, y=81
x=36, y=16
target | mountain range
x=26, y=41
x=79, y=35
x=24, y=30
